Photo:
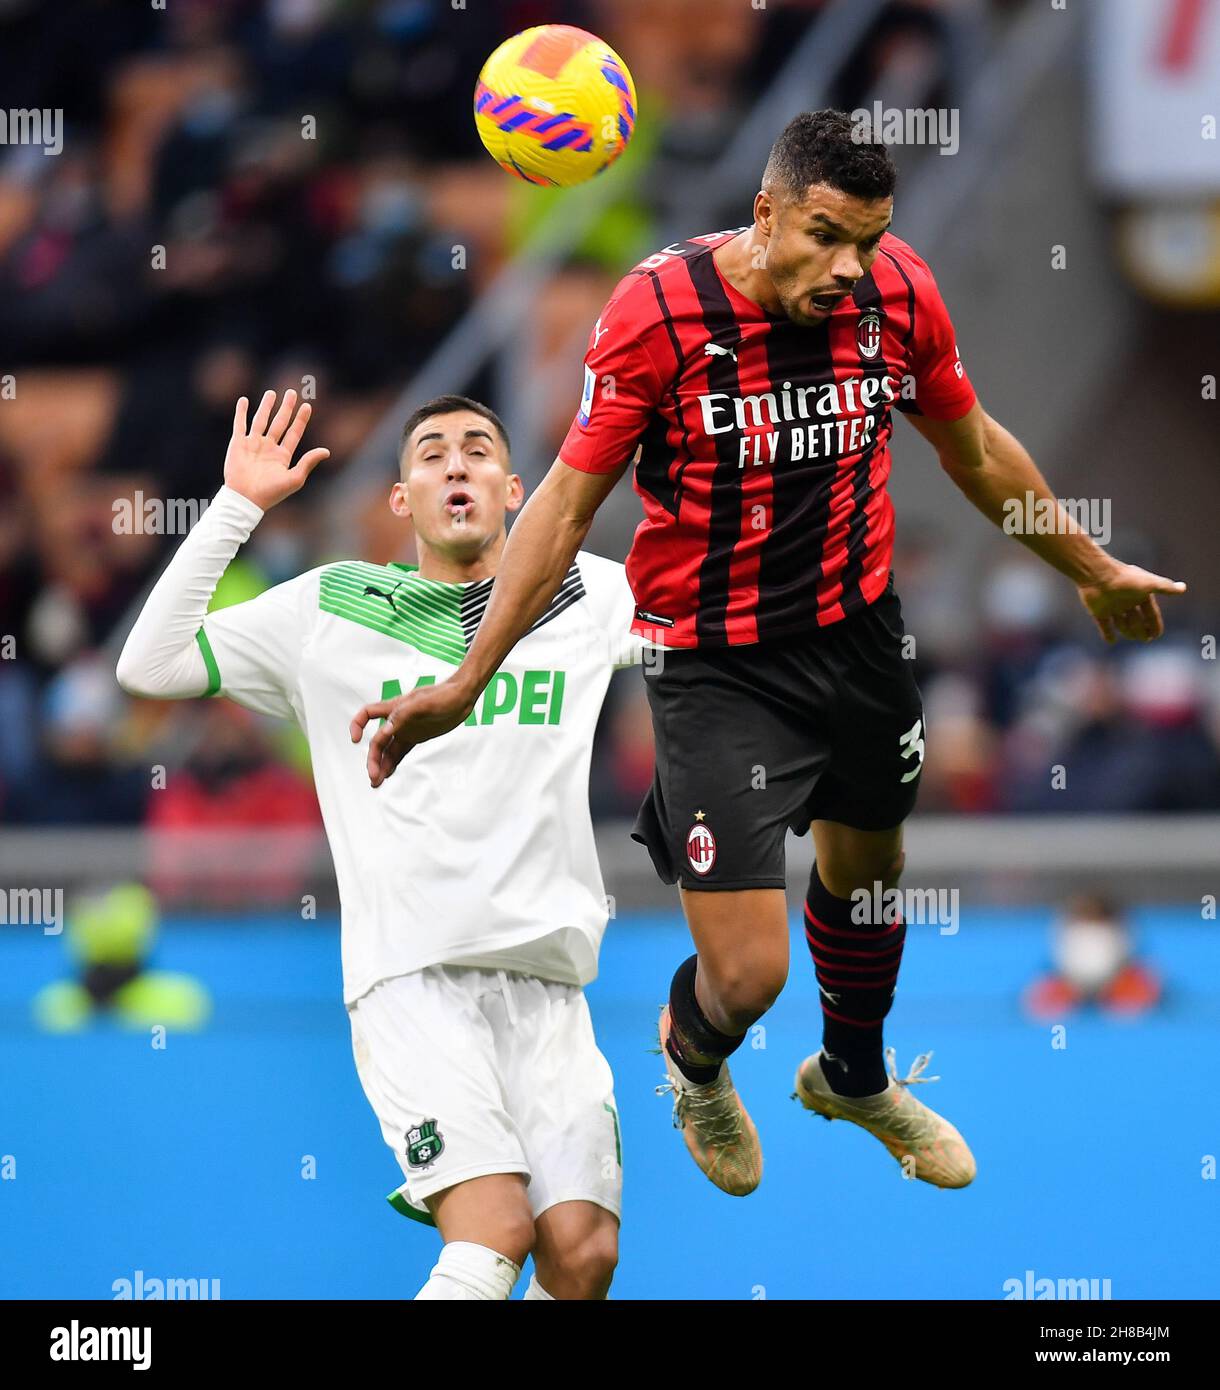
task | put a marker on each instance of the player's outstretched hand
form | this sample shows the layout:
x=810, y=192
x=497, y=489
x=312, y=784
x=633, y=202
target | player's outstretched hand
x=1123, y=604
x=259, y=462
x=425, y=713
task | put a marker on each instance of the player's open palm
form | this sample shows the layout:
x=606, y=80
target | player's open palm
x=426, y=713
x=259, y=461
x=1124, y=603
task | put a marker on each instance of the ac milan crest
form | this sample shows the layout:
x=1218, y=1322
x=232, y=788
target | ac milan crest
x=700, y=848
x=868, y=333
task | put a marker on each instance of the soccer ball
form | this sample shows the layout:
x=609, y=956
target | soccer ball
x=554, y=105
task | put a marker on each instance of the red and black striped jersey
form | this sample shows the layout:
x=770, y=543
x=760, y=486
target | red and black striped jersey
x=764, y=446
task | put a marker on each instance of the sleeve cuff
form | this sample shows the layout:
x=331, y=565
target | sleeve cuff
x=209, y=661
x=237, y=506
x=584, y=466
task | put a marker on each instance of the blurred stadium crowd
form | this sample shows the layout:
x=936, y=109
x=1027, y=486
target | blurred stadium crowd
x=199, y=238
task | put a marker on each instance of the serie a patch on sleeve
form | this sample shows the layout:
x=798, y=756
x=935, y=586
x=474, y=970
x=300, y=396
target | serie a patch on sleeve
x=586, y=399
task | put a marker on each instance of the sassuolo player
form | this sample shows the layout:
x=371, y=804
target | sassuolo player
x=758, y=371
x=472, y=901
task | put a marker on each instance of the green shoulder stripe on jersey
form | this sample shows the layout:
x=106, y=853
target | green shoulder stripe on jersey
x=395, y=601
x=401, y=1205
x=618, y=1142
x=209, y=660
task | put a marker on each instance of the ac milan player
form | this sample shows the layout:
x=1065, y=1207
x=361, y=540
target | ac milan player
x=757, y=370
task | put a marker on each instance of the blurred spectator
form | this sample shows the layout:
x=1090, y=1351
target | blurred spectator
x=110, y=937
x=623, y=773
x=1129, y=736
x=1094, y=963
x=229, y=785
x=81, y=776
x=1021, y=625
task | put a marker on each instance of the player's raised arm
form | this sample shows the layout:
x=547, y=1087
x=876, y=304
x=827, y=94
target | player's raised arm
x=165, y=655
x=994, y=471
x=540, y=549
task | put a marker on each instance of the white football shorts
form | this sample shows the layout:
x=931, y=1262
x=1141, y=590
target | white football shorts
x=472, y=1071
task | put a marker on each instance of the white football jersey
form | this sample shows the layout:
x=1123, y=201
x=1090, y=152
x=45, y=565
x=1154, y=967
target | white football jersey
x=479, y=849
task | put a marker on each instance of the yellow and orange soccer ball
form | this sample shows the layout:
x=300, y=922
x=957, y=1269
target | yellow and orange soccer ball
x=555, y=105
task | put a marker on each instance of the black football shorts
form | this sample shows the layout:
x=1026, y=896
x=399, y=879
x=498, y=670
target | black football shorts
x=752, y=741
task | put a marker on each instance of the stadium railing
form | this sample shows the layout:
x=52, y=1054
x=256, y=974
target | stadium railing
x=988, y=859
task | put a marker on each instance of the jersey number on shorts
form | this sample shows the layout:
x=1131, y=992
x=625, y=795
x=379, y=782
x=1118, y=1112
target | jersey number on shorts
x=911, y=744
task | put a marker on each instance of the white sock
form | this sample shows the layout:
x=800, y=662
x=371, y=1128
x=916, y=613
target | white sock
x=470, y=1272
x=536, y=1291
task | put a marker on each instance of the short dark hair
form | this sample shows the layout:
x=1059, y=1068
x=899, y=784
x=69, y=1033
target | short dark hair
x=446, y=405
x=830, y=147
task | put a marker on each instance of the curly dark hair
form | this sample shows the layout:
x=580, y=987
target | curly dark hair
x=829, y=147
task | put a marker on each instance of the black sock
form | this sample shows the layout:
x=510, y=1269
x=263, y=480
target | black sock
x=857, y=968
x=691, y=1032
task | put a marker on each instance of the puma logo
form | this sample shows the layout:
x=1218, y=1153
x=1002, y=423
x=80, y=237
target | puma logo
x=380, y=593
x=715, y=350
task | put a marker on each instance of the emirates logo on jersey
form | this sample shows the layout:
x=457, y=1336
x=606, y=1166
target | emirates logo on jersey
x=868, y=334
x=700, y=848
